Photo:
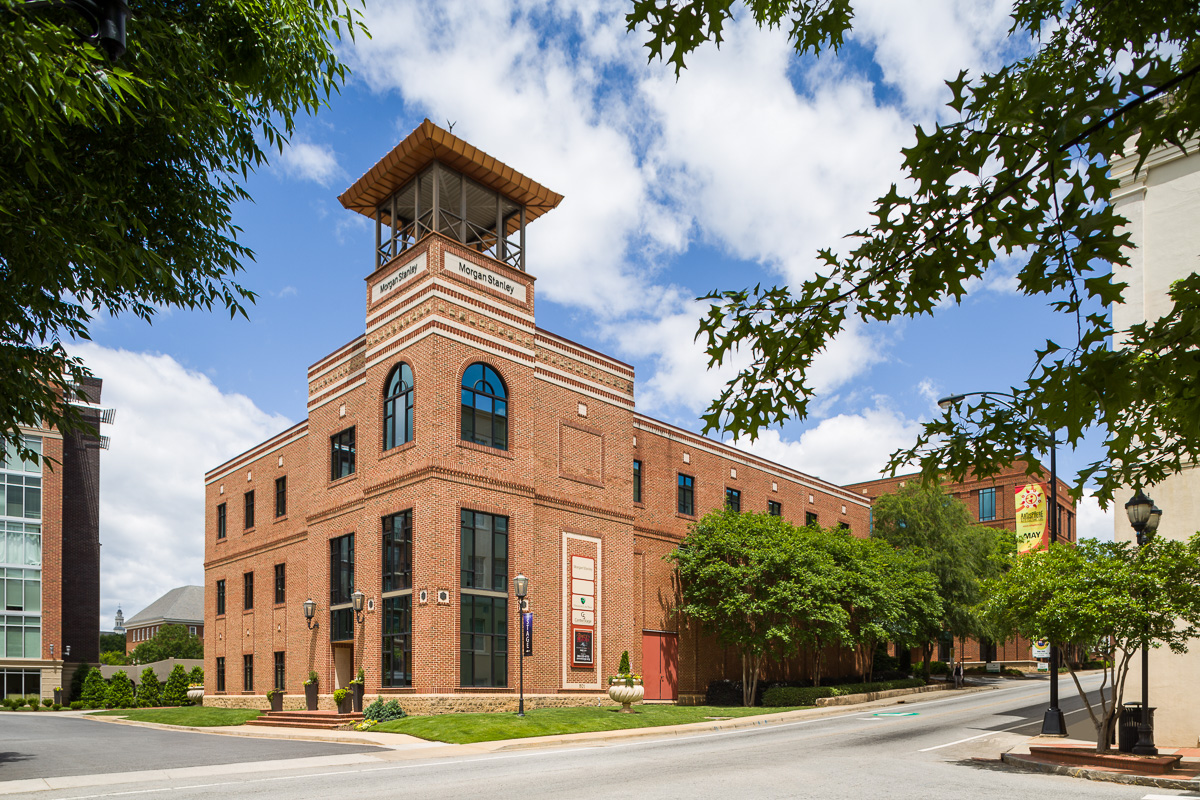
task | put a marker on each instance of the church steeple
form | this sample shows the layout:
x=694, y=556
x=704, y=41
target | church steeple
x=119, y=622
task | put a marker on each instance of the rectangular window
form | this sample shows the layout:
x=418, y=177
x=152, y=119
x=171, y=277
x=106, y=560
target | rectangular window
x=341, y=454
x=249, y=515
x=844, y=526
x=484, y=552
x=341, y=624
x=192, y=630
x=280, y=674
x=733, y=499
x=484, y=640
x=397, y=552
x=987, y=504
x=220, y=597
x=248, y=672
x=774, y=509
x=248, y=591
x=687, y=495
x=281, y=496
x=221, y=521
x=810, y=518
x=280, y=583
x=220, y=673
x=637, y=481
x=341, y=569
x=397, y=640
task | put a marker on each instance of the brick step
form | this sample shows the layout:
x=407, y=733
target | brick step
x=327, y=720
x=1154, y=765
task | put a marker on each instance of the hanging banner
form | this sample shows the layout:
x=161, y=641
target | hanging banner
x=1032, y=518
x=1041, y=648
x=527, y=632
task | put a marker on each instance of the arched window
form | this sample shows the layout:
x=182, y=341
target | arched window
x=398, y=407
x=484, y=407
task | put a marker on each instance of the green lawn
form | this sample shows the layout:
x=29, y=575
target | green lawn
x=468, y=728
x=196, y=716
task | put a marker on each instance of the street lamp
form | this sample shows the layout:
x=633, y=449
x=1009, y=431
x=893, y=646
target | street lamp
x=310, y=610
x=1053, y=723
x=1143, y=517
x=521, y=586
x=358, y=598
x=106, y=18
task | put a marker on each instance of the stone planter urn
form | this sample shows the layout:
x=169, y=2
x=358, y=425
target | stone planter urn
x=310, y=696
x=196, y=695
x=357, y=690
x=626, y=691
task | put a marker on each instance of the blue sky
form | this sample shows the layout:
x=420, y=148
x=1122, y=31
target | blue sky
x=733, y=175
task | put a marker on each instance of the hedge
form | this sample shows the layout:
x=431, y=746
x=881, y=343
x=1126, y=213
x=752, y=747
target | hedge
x=780, y=696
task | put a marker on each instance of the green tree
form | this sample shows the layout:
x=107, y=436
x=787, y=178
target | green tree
x=1103, y=592
x=1019, y=173
x=77, y=679
x=196, y=675
x=175, y=692
x=113, y=658
x=112, y=643
x=936, y=529
x=149, y=690
x=171, y=641
x=95, y=690
x=117, y=180
x=120, y=691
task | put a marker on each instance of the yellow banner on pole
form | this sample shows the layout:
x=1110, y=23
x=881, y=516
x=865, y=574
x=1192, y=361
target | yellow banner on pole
x=1032, y=518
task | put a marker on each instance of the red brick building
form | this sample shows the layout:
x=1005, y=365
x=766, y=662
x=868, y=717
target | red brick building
x=992, y=502
x=450, y=448
x=183, y=605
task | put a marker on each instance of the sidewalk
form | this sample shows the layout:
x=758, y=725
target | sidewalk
x=1125, y=769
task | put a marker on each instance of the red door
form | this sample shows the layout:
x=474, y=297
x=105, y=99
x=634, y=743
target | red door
x=660, y=664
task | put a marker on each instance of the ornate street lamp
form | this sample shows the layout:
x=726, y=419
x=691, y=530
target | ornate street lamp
x=1143, y=517
x=358, y=598
x=521, y=587
x=310, y=610
x=1053, y=723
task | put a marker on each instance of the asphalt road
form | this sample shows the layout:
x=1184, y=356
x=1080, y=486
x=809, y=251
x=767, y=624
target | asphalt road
x=921, y=750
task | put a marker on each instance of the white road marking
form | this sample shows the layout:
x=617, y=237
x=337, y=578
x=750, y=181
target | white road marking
x=1025, y=724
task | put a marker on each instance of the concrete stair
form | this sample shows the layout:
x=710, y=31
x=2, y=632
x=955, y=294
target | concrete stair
x=320, y=720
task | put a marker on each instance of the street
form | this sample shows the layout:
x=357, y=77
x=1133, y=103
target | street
x=920, y=749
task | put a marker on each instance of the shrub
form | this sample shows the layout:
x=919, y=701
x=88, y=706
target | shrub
x=47, y=701
x=94, y=689
x=379, y=711
x=149, y=691
x=340, y=694
x=32, y=702
x=886, y=663
x=624, y=668
x=723, y=693
x=76, y=705
x=779, y=696
x=77, y=679
x=120, y=691
x=196, y=676
x=312, y=677
x=175, y=692
x=57, y=707
x=935, y=668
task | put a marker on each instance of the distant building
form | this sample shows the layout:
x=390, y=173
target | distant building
x=50, y=553
x=119, y=622
x=183, y=605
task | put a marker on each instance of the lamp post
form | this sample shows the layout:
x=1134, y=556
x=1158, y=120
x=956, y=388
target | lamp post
x=521, y=586
x=1053, y=723
x=358, y=598
x=1143, y=517
x=106, y=18
x=310, y=610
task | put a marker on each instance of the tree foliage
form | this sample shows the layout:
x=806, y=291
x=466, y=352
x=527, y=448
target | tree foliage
x=112, y=643
x=95, y=690
x=149, y=690
x=77, y=680
x=117, y=180
x=1019, y=172
x=1110, y=594
x=174, y=693
x=120, y=691
x=171, y=641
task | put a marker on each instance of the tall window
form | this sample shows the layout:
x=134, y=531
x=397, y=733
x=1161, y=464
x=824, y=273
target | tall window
x=248, y=672
x=220, y=597
x=774, y=509
x=341, y=586
x=733, y=499
x=397, y=599
x=281, y=496
x=484, y=407
x=280, y=583
x=341, y=454
x=637, y=481
x=220, y=673
x=280, y=673
x=687, y=494
x=248, y=591
x=221, y=521
x=249, y=513
x=987, y=504
x=398, y=407
x=484, y=599
x=21, y=559
x=810, y=518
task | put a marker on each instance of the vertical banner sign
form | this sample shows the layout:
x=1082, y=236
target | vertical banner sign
x=583, y=610
x=527, y=632
x=1032, y=517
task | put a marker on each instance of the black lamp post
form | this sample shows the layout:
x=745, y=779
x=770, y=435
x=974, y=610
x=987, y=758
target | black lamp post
x=106, y=18
x=1143, y=516
x=1053, y=723
x=358, y=598
x=310, y=610
x=521, y=586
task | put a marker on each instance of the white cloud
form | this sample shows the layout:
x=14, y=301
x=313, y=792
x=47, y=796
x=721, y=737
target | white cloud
x=313, y=162
x=1093, y=522
x=172, y=424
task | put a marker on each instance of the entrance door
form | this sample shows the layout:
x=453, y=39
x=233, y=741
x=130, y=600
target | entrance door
x=660, y=664
x=343, y=665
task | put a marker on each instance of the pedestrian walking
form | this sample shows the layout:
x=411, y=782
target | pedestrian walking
x=958, y=674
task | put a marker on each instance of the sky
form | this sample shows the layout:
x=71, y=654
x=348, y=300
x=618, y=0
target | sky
x=733, y=175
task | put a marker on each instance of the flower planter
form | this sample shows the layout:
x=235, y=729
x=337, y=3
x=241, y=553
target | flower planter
x=277, y=701
x=620, y=691
x=58, y=696
x=344, y=706
x=310, y=696
x=196, y=695
x=357, y=692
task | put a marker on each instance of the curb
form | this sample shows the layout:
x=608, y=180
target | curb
x=334, y=737
x=1030, y=765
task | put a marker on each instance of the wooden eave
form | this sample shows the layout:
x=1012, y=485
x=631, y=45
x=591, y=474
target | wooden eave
x=430, y=143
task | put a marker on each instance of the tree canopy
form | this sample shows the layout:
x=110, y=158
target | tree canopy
x=171, y=641
x=1020, y=171
x=117, y=180
x=1106, y=594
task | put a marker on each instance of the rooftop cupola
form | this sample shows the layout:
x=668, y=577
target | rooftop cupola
x=435, y=182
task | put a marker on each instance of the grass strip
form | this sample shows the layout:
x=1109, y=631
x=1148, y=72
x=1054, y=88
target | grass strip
x=194, y=716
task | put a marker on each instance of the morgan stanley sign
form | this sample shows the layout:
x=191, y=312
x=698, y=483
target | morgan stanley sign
x=398, y=277
x=485, y=277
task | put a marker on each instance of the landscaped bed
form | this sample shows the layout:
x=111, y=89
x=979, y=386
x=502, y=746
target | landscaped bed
x=469, y=728
x=194, y=716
